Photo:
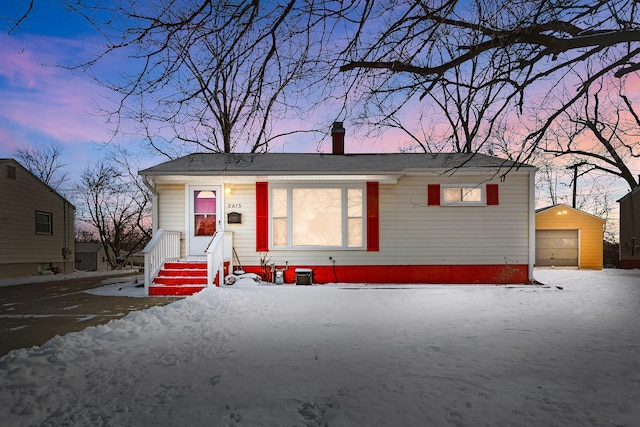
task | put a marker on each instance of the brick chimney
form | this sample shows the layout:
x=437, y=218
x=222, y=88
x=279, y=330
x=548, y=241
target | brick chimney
x=337, y=134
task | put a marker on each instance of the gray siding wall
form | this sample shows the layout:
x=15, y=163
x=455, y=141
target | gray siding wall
x=22, y=250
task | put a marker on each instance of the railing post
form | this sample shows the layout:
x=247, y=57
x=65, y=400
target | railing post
x=217, y=255
x=163, y=246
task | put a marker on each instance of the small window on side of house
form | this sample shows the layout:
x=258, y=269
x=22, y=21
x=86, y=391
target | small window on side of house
x=44, y=222
x=462, y=194
x=11, y=172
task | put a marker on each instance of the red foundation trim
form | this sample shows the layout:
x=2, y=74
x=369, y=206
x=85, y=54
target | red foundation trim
x=630, y=263
x=418, y=274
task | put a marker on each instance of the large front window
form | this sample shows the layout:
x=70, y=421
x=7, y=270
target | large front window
x=317, y=217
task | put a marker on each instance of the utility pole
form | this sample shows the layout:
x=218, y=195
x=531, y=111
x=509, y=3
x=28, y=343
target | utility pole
x=575, y=180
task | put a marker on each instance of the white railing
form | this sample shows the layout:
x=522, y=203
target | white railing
x=164, y=246
x=219, y=251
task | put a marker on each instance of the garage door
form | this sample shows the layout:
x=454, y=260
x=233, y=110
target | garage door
x=557, y=248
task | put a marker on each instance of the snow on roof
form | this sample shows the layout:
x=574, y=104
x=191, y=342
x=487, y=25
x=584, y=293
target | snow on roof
x=315, y=163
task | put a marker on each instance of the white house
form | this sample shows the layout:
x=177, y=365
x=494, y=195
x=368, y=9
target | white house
x=359, y=218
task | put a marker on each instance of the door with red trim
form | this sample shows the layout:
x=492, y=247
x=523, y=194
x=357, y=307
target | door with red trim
x=204, y=217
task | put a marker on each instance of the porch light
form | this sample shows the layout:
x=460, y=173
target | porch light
x=227, y=190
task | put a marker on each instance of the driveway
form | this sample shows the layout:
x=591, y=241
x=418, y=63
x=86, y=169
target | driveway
x=32, y=314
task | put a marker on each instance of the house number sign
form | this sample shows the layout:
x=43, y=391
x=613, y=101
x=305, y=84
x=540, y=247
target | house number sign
x=234, y=205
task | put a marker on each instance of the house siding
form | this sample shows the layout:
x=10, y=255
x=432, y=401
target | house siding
x=242, y=200
x=590, y=234
x=22, y=251
x=418, y=242
x=171, y=210
x=499, y=234
x=630, y=228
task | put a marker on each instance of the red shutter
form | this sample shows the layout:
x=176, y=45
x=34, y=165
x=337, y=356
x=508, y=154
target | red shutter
x=373, y=218
x=262, y=217
x=433, y=194
x=492, y=194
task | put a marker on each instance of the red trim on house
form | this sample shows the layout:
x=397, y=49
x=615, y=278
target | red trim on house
x=433, y=194
x=629, y=263
x=373, y=217
x=262, y=216
x=416, y=274
x=492, y=194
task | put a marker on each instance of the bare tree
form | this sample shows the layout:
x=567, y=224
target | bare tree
x=600, y=133
x=44, y=163
x=213, y=75
x=457, y=114
x=117, y=205
x=208, y=76
x=528, y=49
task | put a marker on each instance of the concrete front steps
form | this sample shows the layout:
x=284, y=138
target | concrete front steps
x=179, y=278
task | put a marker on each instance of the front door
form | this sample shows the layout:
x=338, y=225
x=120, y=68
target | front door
x=204, y=217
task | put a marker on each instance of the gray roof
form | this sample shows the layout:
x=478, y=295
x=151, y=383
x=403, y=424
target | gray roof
x=314, y=163
x=14, y=162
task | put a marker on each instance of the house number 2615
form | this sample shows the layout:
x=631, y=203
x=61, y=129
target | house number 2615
x=234, y=205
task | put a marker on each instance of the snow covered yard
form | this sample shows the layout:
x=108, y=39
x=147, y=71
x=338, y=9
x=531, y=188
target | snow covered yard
x=253, y=355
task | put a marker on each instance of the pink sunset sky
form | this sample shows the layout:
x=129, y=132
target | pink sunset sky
x=43, y=104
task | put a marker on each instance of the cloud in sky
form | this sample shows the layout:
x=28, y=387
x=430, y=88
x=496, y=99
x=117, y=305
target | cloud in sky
x=42, y=98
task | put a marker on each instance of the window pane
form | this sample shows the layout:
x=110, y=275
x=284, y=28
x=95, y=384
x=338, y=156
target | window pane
x=354, y=200
x=280, y=232
x=317, y=216
x=462, y=194
x=44, y=223
x=472, y=195
x=355, y=232
x=204, y=201
x=42, y=228
x=279, y=202
x=205, y=225
x=204, y=216
x=451, y=195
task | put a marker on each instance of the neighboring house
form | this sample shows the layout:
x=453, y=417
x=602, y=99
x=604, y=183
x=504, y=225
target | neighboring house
x=36, y=225
x=630, y=229
x=358, y=218
x=90, y=256
x=568, y=237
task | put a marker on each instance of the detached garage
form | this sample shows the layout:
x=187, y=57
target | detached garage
x=567, y=237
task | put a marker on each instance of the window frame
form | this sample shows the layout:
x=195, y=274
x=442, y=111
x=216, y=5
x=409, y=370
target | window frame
x=344, y=187
x=473, y=186
x=49, y=215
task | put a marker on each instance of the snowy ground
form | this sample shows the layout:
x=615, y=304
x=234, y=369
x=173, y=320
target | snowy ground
x=253, y=355
x=62, y=277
